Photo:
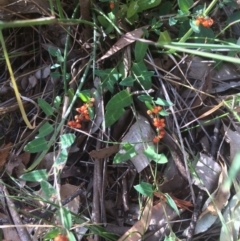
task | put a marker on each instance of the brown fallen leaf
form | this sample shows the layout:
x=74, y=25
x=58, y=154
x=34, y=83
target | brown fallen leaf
x=124, y=41
x=104, y=152
x=220, y=195
x=141, y=226
x=4, y=154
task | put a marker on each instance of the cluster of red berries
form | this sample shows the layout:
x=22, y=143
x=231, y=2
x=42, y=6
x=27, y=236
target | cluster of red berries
x=204, y=21
x=159, y=123
x=83, y=114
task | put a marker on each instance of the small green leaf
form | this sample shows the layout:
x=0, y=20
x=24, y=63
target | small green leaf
x=140, y=50
x=51, y=234
x=55, y=75
x=143, y=75
x=164, y=37
x=47, y=109
x=206, y=35
x=66, y=140
x=48, y=189
x=149, y=105
x=158, y=158
x=194, y=27
x=71, y=236
x=163, y=113
x=145, y=189
x=109, y=77
x=145, y=98
x=53, y=51
x=171, y=203
x=120, y=100
x=62, y=158
x=126, y=153
x=91, y=113
x=233, y=17
x=172, y=21
x=55, y=66
x=36, y=145
x=35, y=176
x=85, y=95
x=57, y=102
x=67, y=221
x=147, y=4
x=184, y=5
x=115, y=107
x=59, y=56
x=45, y=129
x=132, y=9
x=162, y=102
x=127, y=81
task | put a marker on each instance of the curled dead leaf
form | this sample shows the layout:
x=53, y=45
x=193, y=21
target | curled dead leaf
x=219, y=197
x=124, y=41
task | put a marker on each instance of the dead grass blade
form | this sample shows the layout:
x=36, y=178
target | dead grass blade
x=140, y=227
x=205, y=114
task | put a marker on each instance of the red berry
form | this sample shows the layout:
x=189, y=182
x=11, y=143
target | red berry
x=61, y=237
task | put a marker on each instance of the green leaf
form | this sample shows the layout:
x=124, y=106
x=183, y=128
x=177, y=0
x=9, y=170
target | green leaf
x=145, y=98
x=51, y=234
x=62, y=158
x=109, y=77
x=143, y=75
x=140, y=50
x=55, y=66
x=66, y=140
x=164, y=37
x=44, y=130
x=127, y=152
x=91, y=113
x=35, y=176
x=195, y=28
x=149, y=105
x=163, y=113
x=120, y=100
x=57, y=102
x=71, y=236
x=184, y=5
x=162, y=102
x=53, y=51
x=233, y=171
x=36, y=145
x=147, y=4
x=55, y=75
x=115, y=107
x=67, y=221
x=112, y=116
x=48, y=189
x=47, y=109
x=171, y=203
x=85, y=95
x=127, y=81
x=145, y=189
x=206, y=35
x=158, y=158
x=233, y=17
x=132, y=9
x=59, y=56
x=172, y=21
